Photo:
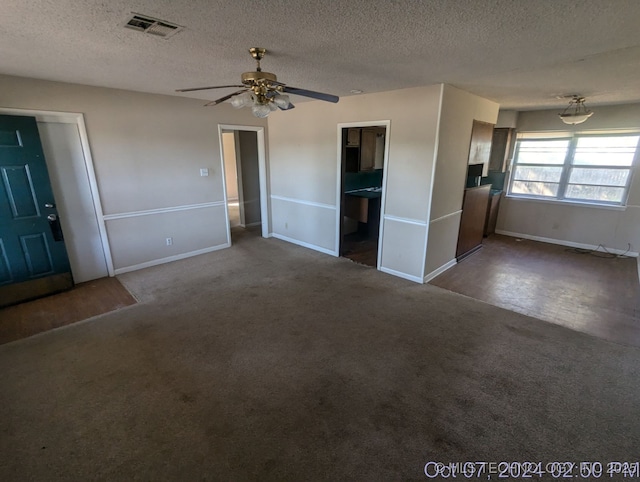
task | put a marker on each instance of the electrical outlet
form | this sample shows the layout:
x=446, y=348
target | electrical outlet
x=169, y=241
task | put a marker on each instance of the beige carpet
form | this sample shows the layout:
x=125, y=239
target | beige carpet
x=267, y=361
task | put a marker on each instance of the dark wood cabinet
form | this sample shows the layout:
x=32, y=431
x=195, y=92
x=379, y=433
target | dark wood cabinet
x=368, y=150
x=353, y=137
x=501, y=149
x=480, y=145
x=492, y=214
x=360, y=148
x=472, y=220
x=351, y=159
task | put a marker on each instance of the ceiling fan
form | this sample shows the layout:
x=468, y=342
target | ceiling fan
x=261, y=91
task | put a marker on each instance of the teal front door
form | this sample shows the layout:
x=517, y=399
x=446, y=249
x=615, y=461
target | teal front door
x=33, y=258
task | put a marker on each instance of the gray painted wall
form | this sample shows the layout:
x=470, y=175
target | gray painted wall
x=304, y=163
x=248, y=156
x=459, y=110
x=147, y=152
x=591, y=225
x=426, y=123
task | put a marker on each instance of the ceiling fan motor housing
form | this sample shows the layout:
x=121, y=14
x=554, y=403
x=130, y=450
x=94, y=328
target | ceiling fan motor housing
x=260, y=83
x=251, y=77
x=263, y=90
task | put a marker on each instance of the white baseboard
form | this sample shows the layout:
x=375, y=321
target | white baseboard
x=400, y=274
x=562, y=242
x=177, y=257
x=440, y=270
x=303, y=244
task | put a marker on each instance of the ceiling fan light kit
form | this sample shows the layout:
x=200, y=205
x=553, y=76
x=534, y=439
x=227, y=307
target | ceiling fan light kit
x=576, y=112
x=282, y=101
x=261, y=91
x=242, y=100
x=261, y=110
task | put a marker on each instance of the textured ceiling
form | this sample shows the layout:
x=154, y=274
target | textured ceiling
x=521, y=54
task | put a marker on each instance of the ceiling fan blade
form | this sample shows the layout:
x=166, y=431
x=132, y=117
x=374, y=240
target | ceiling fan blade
x=289, y=107
x=226, y=97
x=207, y=88
x=311, y=93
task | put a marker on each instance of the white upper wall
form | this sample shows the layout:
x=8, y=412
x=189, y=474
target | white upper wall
x=147, y=152
x=459, y=110
x=304, y=167
x=507, y=119
x=615, y=228
x=604, y=117
x=147, y=148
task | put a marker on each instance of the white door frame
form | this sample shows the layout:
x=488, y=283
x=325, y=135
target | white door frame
x=385, y=166
x=262, y=173
x=76, y=118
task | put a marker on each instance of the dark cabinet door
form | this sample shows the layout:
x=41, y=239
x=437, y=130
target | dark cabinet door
x=472, y=221
x=500, y=149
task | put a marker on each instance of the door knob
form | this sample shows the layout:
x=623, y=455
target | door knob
x=56, y=230
x=49, y=205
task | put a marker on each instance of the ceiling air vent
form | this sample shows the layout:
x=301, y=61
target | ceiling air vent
x=152, y=26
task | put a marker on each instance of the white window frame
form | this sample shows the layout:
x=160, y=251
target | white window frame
x=568, y=165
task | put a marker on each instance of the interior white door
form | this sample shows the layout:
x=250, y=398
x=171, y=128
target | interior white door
x=71, y=188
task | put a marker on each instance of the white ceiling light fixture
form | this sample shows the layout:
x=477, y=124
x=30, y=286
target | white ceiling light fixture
x=576, y=112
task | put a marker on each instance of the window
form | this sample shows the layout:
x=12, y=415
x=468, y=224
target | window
x=579, y=168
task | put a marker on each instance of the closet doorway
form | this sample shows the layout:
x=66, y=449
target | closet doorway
x=244, y=176
x=363, y=154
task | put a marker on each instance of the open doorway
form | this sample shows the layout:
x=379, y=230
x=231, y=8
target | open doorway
x=243, y=161
x=363, y=152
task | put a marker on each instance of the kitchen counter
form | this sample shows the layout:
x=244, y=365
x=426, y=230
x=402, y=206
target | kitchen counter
x=363, y=205
x=368, y=192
